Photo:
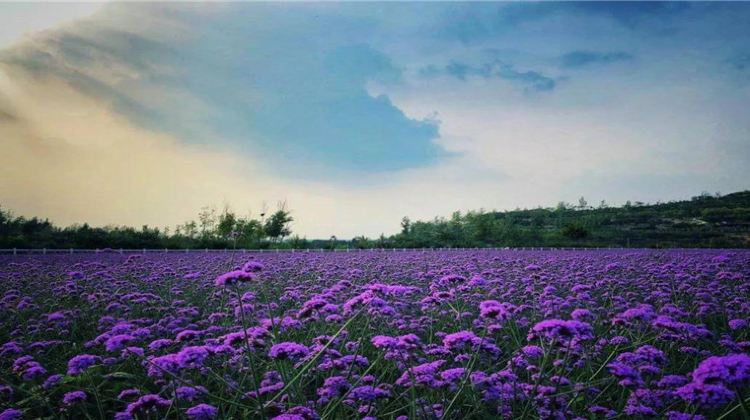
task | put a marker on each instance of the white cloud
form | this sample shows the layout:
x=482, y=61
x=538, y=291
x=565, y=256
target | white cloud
x=18, y=20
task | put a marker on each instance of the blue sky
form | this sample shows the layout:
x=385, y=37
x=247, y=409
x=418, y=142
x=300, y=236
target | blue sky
x=360, y=113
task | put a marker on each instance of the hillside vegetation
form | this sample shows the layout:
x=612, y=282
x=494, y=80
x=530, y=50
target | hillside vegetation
x=705, y=221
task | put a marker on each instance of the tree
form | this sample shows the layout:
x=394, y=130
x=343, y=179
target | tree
x=332, y=242
x=190, y=229
x=382, y=241
x=297, y=242
x=361, y=242
x=227, y=223
x=207, y=218
x=575, y=231
x=277, y=225
x=405, y=225
x=249, y=231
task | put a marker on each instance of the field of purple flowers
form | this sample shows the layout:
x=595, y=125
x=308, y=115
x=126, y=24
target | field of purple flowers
x=387, y=335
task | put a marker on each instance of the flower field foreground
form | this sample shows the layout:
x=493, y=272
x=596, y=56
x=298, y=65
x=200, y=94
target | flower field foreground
x=387, y=335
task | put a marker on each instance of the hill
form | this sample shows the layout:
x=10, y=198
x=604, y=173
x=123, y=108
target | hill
x=703, y=221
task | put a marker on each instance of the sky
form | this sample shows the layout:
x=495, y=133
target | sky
x=357, y=114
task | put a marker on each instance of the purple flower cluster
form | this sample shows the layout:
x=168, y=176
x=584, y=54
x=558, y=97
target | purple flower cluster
x=74, y=397
x=439, y=334
x=80, y=363
x=202, y=412
x=288, y=350
x=234, y=277
x=561, y=331
x=716, y=380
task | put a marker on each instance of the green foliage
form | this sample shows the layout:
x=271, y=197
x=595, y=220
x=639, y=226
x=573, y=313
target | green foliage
x=575, y=231
x=711, y=221
x=226, y=230
x=703, y=221
x=277, y=226
x=227, y=224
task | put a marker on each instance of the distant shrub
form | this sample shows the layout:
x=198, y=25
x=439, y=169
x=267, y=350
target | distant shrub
x=575, y=231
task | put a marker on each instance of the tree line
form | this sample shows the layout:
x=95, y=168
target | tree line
x=213, y=229
x=704, y=221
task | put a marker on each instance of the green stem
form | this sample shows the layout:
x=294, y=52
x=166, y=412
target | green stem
x=467, y=375
x=312, y=360
x=743, y=403
x=247, y=346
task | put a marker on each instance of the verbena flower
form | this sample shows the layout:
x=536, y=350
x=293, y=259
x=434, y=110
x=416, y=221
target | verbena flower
x=333, y=387
x=233, y=277
x=424, y=374
x=80, y=363
x=732, y=370
x=118, y=342
x=461, y=340
x=706, y=395
x=561, y=331
x=147, y=404
x=368, y=393
x=252, y=266
x=495, y=310
x=74, y=397
x=202, y=412
x=127, y=394
x=52, y=381
x=11, y=414
x=298, y=413
x=288, y=350
x=190, y=393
